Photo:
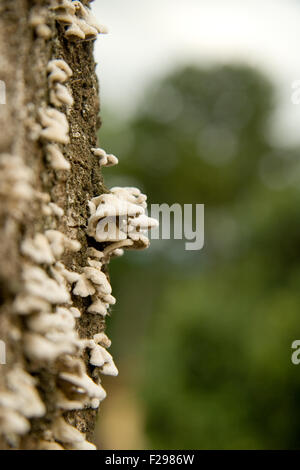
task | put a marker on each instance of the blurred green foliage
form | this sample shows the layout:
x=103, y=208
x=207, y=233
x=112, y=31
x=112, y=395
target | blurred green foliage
x=208, y=334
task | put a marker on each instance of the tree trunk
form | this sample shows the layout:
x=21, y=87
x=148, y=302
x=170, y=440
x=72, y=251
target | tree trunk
x=42, y=172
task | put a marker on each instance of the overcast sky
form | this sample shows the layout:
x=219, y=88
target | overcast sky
x=146, y=38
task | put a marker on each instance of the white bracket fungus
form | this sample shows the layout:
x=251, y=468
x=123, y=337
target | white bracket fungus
x=60, y=95
x=101, y=358
x=120, y=217
x=38, y=249
x=55, y=125
x=59, y=72
x=59, y=242
x=15, y=180
x=84, y=383
x=56, y=158
x=12, y=422
x=117, y=219
x=26, y=304
x=38, y=20
x=39, y=284
x=70, y=436
x=83, y=287
x=104, y=158
x=40, y=348
x=19, y=402
x=56, y=210
x=80, y=24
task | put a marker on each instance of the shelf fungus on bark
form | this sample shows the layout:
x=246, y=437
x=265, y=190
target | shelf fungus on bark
x=59, y=73
x=69, y=436
x=16, y=181
x=38, y=20
x=59, y=242
x=55, y=126
x=51, y=336
x=55, y=209
x=101, y=358
x=50, y=340
x=104, y=158
x=119, y=218
x=19, y=402
x=78, y=20
x=38, y=249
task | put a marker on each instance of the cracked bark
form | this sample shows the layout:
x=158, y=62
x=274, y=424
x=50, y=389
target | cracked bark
x=23, y=61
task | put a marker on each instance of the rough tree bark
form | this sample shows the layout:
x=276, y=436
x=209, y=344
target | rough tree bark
x=25, y=52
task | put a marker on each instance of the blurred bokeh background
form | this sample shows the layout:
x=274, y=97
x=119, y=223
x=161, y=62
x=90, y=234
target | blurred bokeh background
x=196, y=103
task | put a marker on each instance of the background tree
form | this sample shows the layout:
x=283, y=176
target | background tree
x=218, y=323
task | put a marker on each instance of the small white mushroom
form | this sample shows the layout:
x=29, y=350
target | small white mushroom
x=56, y=158
x=58, y=277
x=56, y=210
x=43, y=323
x=99, y=279
x=94, y=263
x=96, y=357
x=130, y=194
x=60, y=96
x=83, y=287
x=101, y=358
x=90, y=19
x=59, y=242
x=12, y=422
x=84, y=382
x=38, y=249
x=69, y=276
x=37, y=20
x=43, y=31
x=46, y=210
x=109, y=299
x=55, y=125
x=39, y=348
x=65, y=433
x=59, y=71
x=15, y=180
x=74, y=32
x=26, y=399
x=104, y=158
x=26, y=304
x=75, y=312
x=63, y=5
x=102, y=339
x=94, y=403
x=64, y=403
x=79, y=21
x=117, y=253
x=109, y=369
x=43, y=197
x=111, y=208
x=46, y=445
x=98, y=307
x=61, y=338
x=39, y=284
x=93, y=253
